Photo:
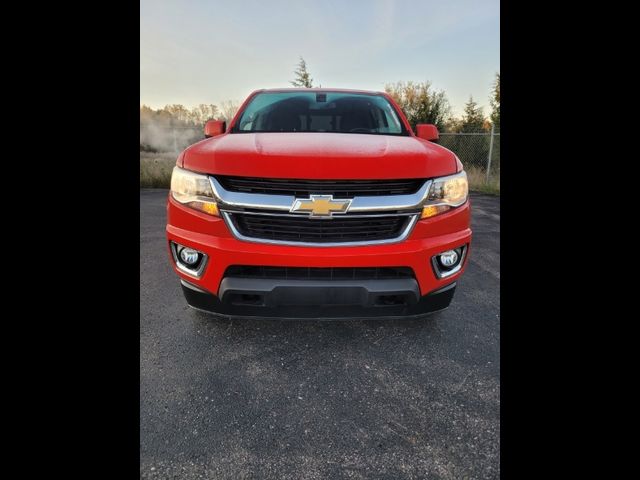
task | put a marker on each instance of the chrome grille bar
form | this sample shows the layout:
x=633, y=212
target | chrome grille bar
x=260, y=201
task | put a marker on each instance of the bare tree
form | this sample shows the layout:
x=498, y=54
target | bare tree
x=495, y=102
x=203, y=112
x=228, y=109
x=178, y=113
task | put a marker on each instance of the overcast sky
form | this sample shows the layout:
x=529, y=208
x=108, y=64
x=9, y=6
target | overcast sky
x=194, y=51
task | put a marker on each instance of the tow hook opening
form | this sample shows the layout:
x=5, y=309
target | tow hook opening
x=389, y=300
x=255, y=299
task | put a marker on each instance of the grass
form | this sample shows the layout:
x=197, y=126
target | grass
x=155, y=172
x=478, y=181
x=155, y=169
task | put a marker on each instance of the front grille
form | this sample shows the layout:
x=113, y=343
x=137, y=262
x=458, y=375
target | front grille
x=303, y=229
x=318, y=273
x=337, y=188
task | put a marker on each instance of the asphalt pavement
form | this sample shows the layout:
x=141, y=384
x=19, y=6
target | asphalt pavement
x=328, y=399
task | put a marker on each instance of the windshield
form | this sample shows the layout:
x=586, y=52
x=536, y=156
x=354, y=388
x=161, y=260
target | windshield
x=320, y=111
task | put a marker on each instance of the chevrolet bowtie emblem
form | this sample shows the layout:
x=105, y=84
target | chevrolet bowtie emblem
x=320, y=206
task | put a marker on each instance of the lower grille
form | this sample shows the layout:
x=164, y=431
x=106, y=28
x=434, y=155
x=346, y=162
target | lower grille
x=291, y=228
x=318, y=273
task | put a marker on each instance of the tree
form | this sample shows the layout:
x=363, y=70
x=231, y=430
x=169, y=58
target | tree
x=203, y=112
x=173, y=127
x=495, y=102
x=178, y=113
x=303, y=78
x=471, y=149
x=473, y=118
x=228, y=109
x=420, y=103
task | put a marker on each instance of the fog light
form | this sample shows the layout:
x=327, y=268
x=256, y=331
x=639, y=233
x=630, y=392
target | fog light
x=449, y=258
x=189, y=256
x=449, y=262
x=189, y=260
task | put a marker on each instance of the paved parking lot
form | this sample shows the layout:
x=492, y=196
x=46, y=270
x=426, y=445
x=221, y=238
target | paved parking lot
x=342, y=399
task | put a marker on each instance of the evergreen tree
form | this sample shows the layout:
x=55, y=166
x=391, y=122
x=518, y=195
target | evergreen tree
x=471, y=149
x=473, y=118
x=303, y=78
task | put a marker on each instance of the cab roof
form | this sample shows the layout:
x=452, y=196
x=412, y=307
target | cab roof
x=319, y=89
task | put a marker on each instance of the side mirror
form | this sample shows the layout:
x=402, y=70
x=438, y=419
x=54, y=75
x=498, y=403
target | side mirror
x=427, y=131
x=214, y=127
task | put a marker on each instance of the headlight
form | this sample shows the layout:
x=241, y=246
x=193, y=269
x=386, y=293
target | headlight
x=193, y=190
x=446, y=193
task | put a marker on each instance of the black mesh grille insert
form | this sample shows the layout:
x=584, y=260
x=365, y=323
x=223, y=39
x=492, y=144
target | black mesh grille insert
x=318, y=273
x=337, y=188
x=304, y=229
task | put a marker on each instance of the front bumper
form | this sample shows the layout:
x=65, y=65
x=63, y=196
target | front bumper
x=319, y=300
x=211, y=236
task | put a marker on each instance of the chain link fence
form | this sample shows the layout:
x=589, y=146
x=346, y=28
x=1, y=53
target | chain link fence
x=480, y=155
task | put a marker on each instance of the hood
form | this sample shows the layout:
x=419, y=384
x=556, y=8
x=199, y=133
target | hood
x=319, y=156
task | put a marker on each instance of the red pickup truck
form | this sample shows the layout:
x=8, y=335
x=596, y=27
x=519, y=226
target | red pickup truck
x=318, y=203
